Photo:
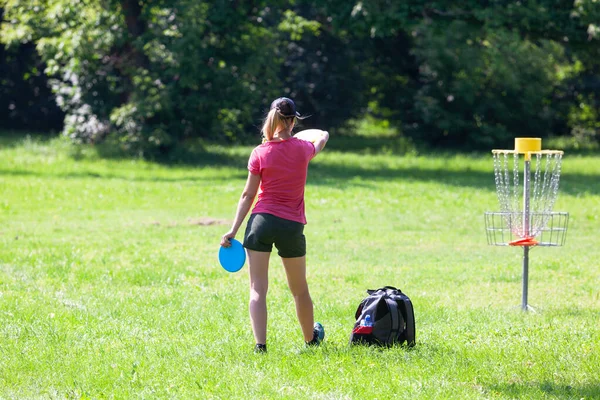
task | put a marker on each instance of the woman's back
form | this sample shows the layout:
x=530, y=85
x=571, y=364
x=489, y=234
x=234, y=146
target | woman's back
x=282, y=166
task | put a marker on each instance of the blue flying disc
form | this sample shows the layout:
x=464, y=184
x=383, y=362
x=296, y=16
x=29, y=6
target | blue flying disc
x=232, y=258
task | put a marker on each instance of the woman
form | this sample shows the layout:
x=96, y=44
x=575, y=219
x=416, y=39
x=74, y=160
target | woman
x=278, y=167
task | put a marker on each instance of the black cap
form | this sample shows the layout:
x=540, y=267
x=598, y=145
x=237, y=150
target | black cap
x=285, y=107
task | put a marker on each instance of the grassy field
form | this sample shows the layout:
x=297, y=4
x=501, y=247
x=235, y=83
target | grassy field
x=110, y=285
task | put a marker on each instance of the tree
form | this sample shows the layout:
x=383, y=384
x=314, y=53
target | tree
x=473, y=74
x=149, y=75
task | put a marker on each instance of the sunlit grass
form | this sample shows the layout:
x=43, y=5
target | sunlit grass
x=110, y=286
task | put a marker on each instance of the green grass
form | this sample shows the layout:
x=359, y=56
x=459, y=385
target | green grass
x=110, y=286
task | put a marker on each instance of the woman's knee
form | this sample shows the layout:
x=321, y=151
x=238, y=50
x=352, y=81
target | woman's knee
x=258, y=291
x=300, y=293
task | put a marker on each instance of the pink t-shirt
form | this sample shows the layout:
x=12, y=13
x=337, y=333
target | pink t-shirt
x=282, y=167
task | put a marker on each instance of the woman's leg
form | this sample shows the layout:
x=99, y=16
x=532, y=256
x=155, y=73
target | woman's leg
x=258, y=267
x=295, y=269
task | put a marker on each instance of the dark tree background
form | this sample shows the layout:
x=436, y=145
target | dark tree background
x=148, y=76
x=26, y=102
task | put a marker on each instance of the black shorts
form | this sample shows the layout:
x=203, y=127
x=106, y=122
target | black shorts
x=264, y=230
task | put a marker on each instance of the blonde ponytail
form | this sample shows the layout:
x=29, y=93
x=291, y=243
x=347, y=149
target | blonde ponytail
x=268, y=129
x=274, y=122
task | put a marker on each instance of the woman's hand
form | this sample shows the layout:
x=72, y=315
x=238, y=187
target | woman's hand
x=225, y=239
x=310, y=135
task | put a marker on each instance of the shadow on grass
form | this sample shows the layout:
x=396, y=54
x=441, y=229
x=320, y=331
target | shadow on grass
x=545, y=389
x=191, y=157
x=88, y=175
x=360, y=175
x=193, y=154
x=14, y=139
x=198, y=155
x=344, y=175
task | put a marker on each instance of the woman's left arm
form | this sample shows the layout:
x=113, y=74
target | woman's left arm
x=244, y=204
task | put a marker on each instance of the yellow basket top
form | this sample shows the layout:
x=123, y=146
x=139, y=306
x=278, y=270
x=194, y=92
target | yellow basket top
x=528, y=146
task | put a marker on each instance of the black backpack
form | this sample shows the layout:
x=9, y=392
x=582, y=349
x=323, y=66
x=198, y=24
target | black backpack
x=391, y=316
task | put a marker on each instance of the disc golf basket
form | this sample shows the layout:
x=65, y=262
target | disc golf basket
x=526, y=195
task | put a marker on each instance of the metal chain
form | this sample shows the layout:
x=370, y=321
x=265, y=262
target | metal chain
x=544, y=194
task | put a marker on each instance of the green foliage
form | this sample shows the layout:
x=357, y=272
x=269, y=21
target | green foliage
x=473, y=75
x=155, y=75
x=584, y=119
x=296, y=25
x=458, y=74
x=483, y=88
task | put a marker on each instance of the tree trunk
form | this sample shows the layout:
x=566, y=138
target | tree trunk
x=136, y=27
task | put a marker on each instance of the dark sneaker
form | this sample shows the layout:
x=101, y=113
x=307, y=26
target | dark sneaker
x=260, y=348
x=318, y=335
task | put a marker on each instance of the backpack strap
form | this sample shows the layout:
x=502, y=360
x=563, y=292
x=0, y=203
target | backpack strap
x=409, y=319
x=393, y=307
x=386, y=289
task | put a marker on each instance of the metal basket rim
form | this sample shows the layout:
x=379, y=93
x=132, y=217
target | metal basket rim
x=551, y=152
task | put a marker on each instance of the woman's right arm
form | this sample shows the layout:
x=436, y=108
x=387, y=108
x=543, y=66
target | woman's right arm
x=244, y=205
x=317, y=137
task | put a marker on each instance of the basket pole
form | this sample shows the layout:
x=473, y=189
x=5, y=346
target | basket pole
x=524, y=305
x=526, y=230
